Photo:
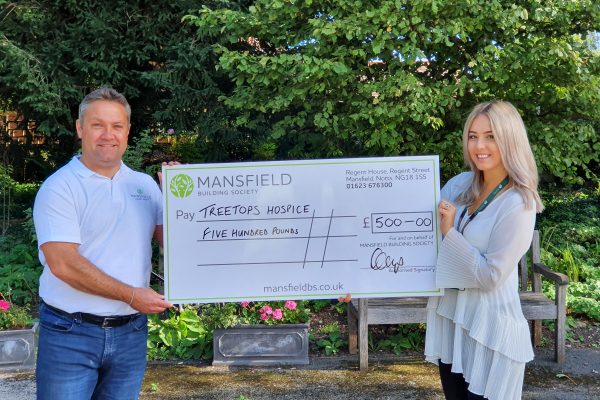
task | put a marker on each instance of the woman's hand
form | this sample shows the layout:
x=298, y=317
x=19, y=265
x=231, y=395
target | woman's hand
x=345, y=299
x=447, y=212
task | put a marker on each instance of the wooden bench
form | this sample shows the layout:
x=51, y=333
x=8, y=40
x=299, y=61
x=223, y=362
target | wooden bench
x=406, y=310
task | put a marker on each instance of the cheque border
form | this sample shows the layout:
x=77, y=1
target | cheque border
x=169, y=171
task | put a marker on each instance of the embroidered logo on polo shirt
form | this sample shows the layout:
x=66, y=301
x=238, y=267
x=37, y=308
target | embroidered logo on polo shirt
x=140, y=195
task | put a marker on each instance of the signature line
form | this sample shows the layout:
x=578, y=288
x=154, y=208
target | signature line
x=278, y=262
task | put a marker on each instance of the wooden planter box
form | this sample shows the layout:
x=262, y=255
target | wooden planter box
x=17, y=349
x=261, y=345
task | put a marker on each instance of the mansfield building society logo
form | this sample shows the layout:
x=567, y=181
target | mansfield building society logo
x=181, y=185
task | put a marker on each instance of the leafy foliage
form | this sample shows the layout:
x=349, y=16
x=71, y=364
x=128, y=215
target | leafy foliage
x=52, y=53
x=181, y=335
x=15, y=198
x=20, y=268
x=139, y=151
x=319, y=305
x=19, y=271
x=350, y=78
x=409, y=337
x=584, y=298
x=13, y=316
x=332, y=340
x=570, y=228
x=16, y=318
x=282, y=79
x=570, y=323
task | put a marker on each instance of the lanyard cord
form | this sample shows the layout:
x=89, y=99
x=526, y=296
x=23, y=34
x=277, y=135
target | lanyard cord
x=482, y=207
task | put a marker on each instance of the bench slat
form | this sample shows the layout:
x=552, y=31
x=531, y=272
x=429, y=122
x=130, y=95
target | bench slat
x=412, y=310
x=536, y=305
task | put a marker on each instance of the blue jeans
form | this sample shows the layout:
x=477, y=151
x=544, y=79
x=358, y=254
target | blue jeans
x=79, y=360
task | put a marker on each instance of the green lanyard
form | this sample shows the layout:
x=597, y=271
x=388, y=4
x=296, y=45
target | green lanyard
x=482, y=207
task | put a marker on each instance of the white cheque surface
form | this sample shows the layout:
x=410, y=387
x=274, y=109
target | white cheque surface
x=301, y=229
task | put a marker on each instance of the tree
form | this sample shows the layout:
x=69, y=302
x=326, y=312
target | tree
x=52, y=53
x=360, y=77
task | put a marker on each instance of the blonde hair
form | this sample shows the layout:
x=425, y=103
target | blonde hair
x=511, y=136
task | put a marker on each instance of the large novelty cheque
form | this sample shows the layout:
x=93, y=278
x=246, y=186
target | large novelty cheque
x=301, y=229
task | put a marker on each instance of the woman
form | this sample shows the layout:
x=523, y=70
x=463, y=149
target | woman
x=476, y=332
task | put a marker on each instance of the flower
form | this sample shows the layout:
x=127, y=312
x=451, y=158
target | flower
x=170, y=131
x=272, y=312
x=290, y=305
x=266, y=310
x=13, y=316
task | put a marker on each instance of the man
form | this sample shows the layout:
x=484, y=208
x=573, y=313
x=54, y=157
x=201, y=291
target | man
x=95, y=219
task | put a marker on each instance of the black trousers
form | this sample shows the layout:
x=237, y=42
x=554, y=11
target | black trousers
x=454, y=385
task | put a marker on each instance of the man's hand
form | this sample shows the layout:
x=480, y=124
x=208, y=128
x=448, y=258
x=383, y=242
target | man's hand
x=147, y=301
x=159, y=173
x=68, y=265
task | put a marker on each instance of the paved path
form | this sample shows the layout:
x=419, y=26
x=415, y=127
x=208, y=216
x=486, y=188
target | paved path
x=332, y=378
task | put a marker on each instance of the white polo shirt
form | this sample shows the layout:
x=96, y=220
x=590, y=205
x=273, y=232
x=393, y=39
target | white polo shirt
x=113, y=220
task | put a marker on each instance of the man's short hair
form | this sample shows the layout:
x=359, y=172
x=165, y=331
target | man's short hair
x=104, y=93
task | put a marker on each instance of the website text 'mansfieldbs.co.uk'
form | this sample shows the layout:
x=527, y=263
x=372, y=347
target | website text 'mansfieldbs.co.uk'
x=303, y=287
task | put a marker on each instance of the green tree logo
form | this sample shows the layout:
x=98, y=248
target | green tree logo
x=181, y=185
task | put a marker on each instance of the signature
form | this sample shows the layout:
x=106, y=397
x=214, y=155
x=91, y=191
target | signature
x=380, y=260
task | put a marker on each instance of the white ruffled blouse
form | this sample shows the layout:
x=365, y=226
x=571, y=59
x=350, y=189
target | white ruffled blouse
x=478, y=325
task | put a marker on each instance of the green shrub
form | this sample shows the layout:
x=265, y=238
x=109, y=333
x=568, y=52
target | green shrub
x=180, y=336
x=570, y=228
x=13, y=316
x=409, y=336
x=15, y=198
x=319, y=305
x=20, y=268
x=332, y=341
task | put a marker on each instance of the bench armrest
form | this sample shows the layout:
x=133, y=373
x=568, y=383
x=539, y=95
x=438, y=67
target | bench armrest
x=556, y=277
